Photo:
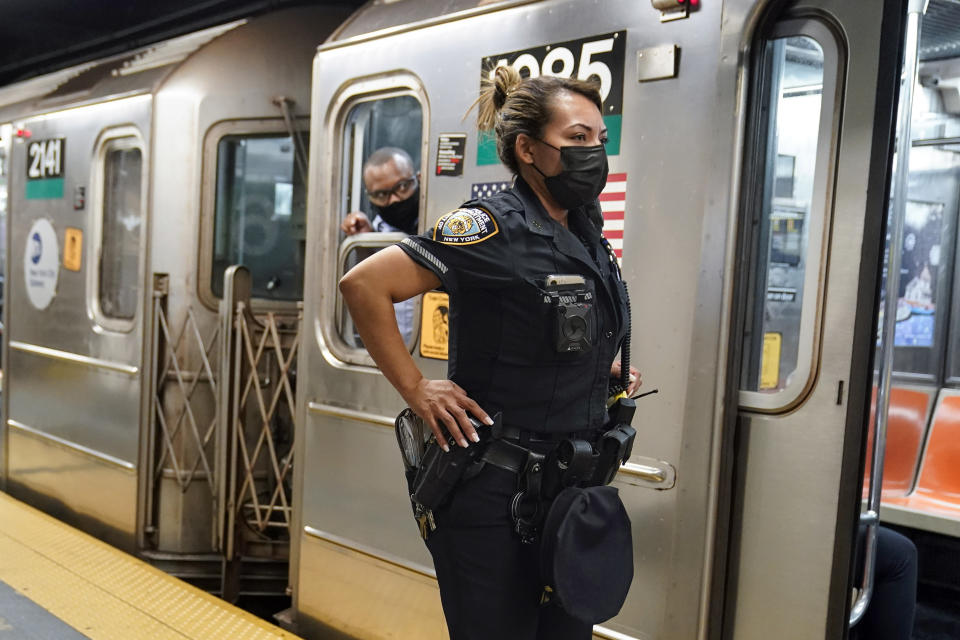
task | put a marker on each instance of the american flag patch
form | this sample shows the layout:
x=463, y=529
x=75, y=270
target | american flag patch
x=487, y=189
x=613, y=200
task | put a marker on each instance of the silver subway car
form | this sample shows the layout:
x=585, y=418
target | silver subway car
x=749, y=148
x=166, y=388
x=134, y=183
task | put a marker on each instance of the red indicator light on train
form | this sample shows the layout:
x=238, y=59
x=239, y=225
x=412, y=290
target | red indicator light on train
x=23, y=133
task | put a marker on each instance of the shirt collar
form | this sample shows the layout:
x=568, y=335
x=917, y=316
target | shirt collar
x=538, y=220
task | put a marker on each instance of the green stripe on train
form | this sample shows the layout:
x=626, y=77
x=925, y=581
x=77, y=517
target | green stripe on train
x=487, y=142
x=44, y=189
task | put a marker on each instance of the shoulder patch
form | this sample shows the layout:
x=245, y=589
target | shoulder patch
x=465, y=226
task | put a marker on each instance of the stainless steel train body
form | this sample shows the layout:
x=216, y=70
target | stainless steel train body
x=749, y=159
x=133, y=183
x=743, y=492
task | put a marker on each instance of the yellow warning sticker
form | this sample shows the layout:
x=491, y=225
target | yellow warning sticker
x=435, y=325
x=770, y=364
x=73, y=249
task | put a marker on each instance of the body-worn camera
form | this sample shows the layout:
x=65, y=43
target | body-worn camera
x=574, y=315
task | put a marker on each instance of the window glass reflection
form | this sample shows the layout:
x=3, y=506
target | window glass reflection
x=119, y=282
x=260, y=215
x=371, y=125
x=772, y=336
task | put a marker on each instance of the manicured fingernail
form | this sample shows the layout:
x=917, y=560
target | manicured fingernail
x=464, y=443
x=475, y=437
x=488, y=421
x=445, y=448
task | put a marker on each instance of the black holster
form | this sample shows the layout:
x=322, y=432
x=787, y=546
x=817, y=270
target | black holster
x=572, y=463
x=441, y=471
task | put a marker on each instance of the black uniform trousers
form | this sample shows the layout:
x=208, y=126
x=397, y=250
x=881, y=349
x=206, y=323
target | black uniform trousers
x=489, y=580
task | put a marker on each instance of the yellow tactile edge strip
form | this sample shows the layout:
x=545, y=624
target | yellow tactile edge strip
x=107, y=594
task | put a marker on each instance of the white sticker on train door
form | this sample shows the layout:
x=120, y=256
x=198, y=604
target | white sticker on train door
x=41, y=264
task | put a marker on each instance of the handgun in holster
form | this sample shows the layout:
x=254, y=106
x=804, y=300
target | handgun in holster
x=435, y=479
x=440, y=471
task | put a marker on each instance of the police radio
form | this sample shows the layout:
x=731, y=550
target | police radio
x=574, y=325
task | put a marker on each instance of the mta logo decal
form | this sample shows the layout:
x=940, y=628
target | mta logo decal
x=36, y=248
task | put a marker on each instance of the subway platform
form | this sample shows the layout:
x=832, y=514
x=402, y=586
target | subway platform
x=57, y=583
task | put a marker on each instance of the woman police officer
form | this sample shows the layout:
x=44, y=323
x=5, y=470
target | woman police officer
x=493, y=257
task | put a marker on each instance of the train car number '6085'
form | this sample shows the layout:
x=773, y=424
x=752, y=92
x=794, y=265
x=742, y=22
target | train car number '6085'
x=599, y=56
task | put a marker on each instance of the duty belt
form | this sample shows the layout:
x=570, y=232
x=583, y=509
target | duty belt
x=525, y=435
x=506, y=455
x=572, y=462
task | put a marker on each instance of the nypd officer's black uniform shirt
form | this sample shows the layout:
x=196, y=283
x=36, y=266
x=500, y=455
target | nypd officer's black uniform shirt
x=492, y=256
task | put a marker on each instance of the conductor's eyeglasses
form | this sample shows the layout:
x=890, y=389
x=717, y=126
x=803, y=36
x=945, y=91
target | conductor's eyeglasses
x=403, y=189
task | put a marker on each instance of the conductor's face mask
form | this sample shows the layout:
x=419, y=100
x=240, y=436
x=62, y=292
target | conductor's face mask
x=583, y=176
x=402, y=214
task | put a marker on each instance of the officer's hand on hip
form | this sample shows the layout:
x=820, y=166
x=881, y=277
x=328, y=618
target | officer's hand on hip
x=444, y=406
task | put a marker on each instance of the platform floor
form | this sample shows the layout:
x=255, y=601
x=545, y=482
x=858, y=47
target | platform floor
x=58, y=583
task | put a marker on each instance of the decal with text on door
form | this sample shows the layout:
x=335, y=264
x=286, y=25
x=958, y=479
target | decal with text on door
x=598, y=57
x=45, y=159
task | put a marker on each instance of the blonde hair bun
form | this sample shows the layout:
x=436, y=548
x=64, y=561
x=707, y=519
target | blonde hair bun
x=510, y=105
x=494, y=93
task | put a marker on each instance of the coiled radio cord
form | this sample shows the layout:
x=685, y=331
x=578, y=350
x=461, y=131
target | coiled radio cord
x=625, y=345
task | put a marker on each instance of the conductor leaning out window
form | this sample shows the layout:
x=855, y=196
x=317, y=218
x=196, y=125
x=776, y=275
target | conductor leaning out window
x=538, y=314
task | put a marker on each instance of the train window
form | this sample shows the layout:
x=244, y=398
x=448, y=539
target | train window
x=921, y=341
x=6, y=132
x=372, y=123
x=352, y=251
x=259, y=214
x=395, y=121
x=118, y=282
x=923, y=277
x=786, y=206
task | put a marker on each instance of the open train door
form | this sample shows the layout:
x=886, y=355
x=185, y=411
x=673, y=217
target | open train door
x=820, y=107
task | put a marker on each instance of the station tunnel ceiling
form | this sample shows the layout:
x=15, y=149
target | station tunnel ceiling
x=40, y=36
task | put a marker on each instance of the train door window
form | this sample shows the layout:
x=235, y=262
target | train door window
x=259, y=212
x=119, y=189
x=370, y=122
x=786, y=206
x=6, y=134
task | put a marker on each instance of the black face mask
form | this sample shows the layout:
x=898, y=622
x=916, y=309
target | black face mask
x=403, y=214
x=583, y=177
